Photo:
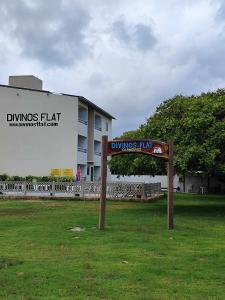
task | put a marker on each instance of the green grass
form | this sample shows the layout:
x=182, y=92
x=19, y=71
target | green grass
x=135, y=258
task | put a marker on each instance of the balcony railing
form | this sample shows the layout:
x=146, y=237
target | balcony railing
x=81, y=149
x=98, y=153
x=98, y=128
x=82, y=121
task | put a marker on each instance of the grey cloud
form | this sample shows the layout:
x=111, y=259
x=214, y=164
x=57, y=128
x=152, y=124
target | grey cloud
x=205, y=60
x=121, y=31
x=144, y=37
x=49, y=31
x=221, y=11
x=140, y=36
x=97, y=79
x=210, y=60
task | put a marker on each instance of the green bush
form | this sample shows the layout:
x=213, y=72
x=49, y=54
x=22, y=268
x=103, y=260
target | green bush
x=3, y=177
x=30, y=178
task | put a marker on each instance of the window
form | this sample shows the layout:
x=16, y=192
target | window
x=97, y=148
x=82, y=144
x=98, y=123
x=82, y=115
x=106, y=126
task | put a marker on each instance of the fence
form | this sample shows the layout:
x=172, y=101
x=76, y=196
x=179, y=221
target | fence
x=84, y=189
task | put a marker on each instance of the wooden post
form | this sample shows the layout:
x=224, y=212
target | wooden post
x=103, y=182
x=170, y=224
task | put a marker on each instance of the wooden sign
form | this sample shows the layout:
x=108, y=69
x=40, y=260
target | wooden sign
x=149, y=147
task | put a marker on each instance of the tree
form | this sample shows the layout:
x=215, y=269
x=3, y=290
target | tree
x=196, y=124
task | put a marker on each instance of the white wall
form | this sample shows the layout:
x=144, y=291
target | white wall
x=36, y=150
x=146, y=179
x=200, y=183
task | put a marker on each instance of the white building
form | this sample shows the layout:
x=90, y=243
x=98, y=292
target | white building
x=42, y=133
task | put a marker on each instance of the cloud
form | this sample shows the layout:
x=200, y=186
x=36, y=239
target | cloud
x=220, y=10
x=48, y=31
x=126, y=56
x=138, y=36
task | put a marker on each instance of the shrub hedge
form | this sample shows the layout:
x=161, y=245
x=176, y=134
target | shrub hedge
x=30, y=178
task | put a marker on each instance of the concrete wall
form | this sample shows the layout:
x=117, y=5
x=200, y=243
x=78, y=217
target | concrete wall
x=193, y=184
x=35, y=150
x=27, y=81
x=147, y=179
x=201, y=184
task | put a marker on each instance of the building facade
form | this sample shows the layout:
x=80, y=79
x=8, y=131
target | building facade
x=43, y=133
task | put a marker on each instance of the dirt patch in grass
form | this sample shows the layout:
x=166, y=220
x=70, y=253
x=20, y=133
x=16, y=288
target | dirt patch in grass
x=16, y=212
x=120, y=205
x=53, y=204
x=8, y=262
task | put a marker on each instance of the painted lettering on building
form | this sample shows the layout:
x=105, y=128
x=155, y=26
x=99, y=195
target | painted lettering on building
x=33, y=119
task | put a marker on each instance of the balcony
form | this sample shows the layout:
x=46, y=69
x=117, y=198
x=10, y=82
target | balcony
x=83, y=172
x=82, y=114
x=82, y=129
x=82, y=120
x=97, y=173
x=97, y=148
x=82, y=157
x=97, y=160
x=98, y=128
x=82, y=149
x=97, y=153
x=98, y=123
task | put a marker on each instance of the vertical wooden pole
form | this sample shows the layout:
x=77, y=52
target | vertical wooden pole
x=103, y=182
x=170, y=224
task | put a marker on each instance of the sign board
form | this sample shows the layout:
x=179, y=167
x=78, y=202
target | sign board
x=67, y=172
x=55, y=172
x=149, y=147
x=157, y=149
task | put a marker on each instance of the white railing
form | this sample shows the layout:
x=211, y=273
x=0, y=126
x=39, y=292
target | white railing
x=97, y=127
x=82, y=121
x=98, y=153
x=81, y=149
x=115, y=190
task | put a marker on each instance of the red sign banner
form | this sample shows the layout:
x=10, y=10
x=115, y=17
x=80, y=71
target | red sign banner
x=149, y=147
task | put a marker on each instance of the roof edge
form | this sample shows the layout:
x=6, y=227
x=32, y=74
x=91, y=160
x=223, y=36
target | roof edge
x=81, y=98
x=23, y=88
x=89, y=103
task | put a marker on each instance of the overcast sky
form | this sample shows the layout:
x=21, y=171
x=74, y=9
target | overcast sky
x=126, y=56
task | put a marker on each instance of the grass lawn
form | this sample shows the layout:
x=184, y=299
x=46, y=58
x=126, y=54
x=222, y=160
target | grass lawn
x=135, y=258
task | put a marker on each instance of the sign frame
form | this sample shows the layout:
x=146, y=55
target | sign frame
x=153, y=148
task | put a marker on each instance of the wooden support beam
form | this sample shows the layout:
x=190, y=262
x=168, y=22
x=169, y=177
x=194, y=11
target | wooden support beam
x=170, y=223
x=103, y=182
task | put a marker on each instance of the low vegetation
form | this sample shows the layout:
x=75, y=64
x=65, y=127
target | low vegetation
x=135, y=258
x=30, y=178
